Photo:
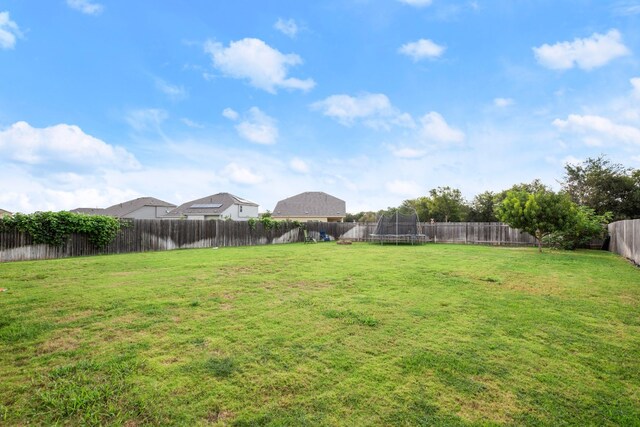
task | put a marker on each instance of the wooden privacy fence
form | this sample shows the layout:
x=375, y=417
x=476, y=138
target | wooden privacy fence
x=625, y=239
x=157, y=235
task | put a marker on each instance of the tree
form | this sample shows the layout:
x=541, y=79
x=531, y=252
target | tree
x=482, y=208
x=447, y=204
x=540, y=213
x=585, y=226
x=361, y=217
x=604, y=187
x=420, y=206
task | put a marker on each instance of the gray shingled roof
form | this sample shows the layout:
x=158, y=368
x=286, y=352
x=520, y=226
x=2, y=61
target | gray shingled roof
x=311, y=204
x=123, y=209
x=88, y=211
x=210, y=205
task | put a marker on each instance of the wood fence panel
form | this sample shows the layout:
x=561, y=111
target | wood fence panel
x=158, y=235
x=625, y=239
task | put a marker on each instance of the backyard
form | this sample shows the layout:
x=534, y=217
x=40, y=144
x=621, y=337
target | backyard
x=322, y=334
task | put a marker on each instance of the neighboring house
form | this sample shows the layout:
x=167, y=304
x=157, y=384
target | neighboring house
x=311, y=206
x=4, y=213
x=140, y=208
x=217, y=206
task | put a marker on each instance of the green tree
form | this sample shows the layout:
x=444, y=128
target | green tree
x=585, y=226
x=447, y=204
x=604, y=187
x=420, y=206
x=482, y=208
x=540, y=213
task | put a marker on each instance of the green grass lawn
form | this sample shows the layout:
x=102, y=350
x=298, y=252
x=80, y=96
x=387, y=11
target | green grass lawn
x=322, y=335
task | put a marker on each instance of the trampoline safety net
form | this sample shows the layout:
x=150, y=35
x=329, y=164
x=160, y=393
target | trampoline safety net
x=398, y=227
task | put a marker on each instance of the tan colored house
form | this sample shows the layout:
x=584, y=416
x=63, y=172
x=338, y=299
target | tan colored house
x=311, y=206
x=140, y=208
x=4, y=213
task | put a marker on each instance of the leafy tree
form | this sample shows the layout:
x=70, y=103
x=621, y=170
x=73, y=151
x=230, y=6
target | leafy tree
x=604, y=187
x=446, y=204
x=367, y=216
x=482, y=208
x=540, y=213
x=420, y=206
x=585, y=226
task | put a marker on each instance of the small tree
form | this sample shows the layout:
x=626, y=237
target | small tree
x=540, y=213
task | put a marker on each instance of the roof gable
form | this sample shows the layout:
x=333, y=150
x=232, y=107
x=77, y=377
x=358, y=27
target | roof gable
x=214, y=204
x=311, y=204
x=122, y=209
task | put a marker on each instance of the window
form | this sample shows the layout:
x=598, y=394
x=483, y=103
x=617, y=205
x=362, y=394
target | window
x=240, y=208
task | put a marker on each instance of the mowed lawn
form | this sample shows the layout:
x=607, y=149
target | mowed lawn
x=322, y=334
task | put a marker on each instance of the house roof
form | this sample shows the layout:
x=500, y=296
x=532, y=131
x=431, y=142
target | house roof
x=121, y=210
x=5, y=212
x=88, y=211
x=311, y=204
x=210, y=205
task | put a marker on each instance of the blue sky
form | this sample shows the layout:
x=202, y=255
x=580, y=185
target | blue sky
x=373, y=101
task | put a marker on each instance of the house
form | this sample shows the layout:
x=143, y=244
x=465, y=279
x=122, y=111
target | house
x=140, y=208
x=311, y=206
x=216, y=206
x=4, y=213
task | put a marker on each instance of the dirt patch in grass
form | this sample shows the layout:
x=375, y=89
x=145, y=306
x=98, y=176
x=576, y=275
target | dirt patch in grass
x=216, y=417
x=74, y=317
x=491, y=404
x=63, y=340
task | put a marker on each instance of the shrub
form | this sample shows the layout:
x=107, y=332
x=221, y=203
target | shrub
x=54, y=228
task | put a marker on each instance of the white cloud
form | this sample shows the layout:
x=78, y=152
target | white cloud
x=596, y=127
x=434, y=128
x=289, y=27
x=9, y=31
x=190, y=123
x=144, y=119
x=503, y=102
x=422, y=49
x=403, y=188
x=408, y=152
x=373, y=109
x=416, y=3
x=258, y=127
x=230, y=114
x=252, y=59
x=172, y=91
x=61, y=144
x=587, y=53
x=627, y=9
x=299, y=165
x=86, y=6
x=241, y=175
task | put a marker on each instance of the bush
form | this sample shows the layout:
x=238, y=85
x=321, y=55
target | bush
x=585, y=226
x=54, y=228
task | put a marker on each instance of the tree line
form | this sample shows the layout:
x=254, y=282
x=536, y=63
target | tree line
x=592, y=194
